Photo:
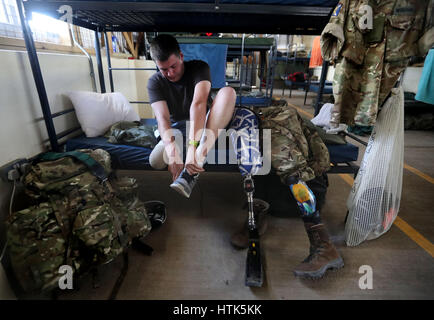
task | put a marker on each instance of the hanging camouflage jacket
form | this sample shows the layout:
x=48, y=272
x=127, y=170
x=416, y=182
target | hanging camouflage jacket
x=368, y=62
x=296, y=149
x=78, y=220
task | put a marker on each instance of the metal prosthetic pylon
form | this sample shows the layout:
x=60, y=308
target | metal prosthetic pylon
x=254, y=267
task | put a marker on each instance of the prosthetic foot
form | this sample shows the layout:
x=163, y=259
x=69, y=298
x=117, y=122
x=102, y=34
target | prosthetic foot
x=240, y=239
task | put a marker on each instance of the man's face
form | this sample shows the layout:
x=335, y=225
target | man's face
x=173, y=68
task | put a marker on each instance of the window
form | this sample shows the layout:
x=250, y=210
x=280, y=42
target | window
x=44, y=28
x=47, y=29
x=9, y=20
x=85, y=37
x=8, y=12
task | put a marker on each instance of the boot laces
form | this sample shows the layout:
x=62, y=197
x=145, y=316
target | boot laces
x=315, y=253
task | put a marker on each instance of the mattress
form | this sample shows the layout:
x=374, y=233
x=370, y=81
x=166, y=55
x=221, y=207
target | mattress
x=253, y=101
x=137, y=158
x=340, y=153
x=328, y=87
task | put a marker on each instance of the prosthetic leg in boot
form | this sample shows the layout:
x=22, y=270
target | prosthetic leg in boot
x=322, y=254
x=245, y=139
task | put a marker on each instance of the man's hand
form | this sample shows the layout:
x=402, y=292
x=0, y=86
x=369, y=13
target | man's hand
x=175, y=164
x=190, y=162
x=175, y=169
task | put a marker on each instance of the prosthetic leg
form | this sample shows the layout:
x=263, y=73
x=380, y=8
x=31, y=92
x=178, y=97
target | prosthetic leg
x=303, y=195
x=322, y=253
x=245, y=139
x=254, y=268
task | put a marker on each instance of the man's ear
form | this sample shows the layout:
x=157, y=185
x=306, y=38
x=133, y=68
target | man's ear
x=181, y=56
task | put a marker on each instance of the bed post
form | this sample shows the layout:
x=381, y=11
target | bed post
x=273, y=66
x=269, y=66
x=324, y=70
x=99, y=61
x=109, y=63
x=37, y=75
x=241, y=71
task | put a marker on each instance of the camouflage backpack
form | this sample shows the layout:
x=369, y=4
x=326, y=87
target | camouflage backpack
x=81, y=218
x=296, y=149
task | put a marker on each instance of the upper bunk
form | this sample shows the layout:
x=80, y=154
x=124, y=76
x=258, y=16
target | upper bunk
x=225, y=16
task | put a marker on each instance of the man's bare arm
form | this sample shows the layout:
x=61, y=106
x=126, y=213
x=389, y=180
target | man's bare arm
x=162, y=115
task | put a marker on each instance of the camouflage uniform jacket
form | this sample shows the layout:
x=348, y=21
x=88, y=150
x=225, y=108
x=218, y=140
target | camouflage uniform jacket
x=296, y=149
x=368, y=62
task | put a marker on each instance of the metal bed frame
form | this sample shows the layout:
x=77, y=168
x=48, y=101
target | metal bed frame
x=147, y=16
x=100, y=17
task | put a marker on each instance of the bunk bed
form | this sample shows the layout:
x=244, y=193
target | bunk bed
x=274, y=16
x=285, y=16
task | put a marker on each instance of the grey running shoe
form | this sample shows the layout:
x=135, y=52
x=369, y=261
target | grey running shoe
x=184, y=183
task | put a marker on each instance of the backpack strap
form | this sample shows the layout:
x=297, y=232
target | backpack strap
x=94, y=166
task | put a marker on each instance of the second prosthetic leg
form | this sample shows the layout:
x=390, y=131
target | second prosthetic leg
x=322, y=253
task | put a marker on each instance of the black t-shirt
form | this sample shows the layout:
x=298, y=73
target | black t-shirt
x=179, y=95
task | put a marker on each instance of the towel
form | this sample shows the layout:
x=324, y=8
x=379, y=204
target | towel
x=425, y=90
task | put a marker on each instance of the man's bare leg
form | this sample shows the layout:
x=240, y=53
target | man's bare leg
x=219, y=116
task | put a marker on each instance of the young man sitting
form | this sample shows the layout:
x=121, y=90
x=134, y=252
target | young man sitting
x=180, y=91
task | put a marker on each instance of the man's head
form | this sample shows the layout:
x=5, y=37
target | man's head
x=167, y=55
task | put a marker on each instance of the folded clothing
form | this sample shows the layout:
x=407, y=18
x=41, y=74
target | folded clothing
x=132, y=133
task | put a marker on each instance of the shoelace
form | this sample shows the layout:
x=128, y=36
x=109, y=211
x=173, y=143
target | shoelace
x=314, y=254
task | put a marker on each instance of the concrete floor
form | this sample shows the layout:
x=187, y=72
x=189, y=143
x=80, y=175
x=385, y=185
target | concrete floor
x=193, y=258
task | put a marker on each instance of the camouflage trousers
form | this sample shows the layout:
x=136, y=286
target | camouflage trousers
x=296, y=150
x=360, y=90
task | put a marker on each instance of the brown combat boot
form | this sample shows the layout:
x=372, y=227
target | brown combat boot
x=240, y=239
x=323, y=255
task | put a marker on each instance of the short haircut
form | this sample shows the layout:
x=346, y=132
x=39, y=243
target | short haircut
x=163, y=46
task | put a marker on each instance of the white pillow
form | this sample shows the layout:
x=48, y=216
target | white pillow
x=96, y=112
